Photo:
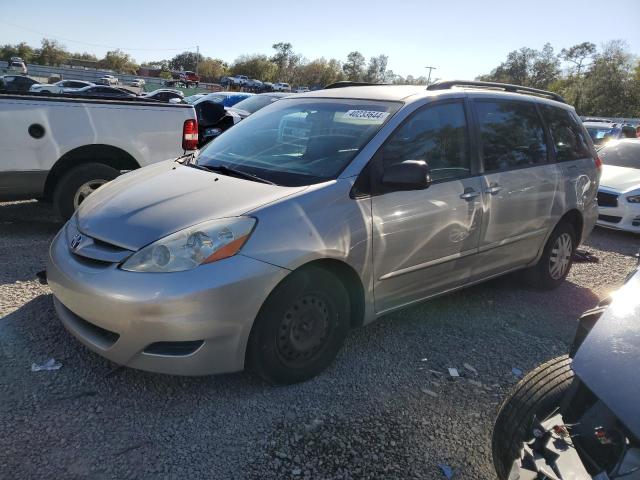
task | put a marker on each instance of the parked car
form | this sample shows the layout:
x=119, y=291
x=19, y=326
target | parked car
x=252, y=104
x=101, y=91
x=17, y=65
x=267, y=87
x=321, y=212
x=281, y=87
x=137, y=82
x=619, y=191
x=107, y=80
x=302, y=90
x=60, y=149
x=164, y=94
x=577, y=416
x=60, y=86
x=237, y=80
x=227, y=99
x=602, y=131
x=16, y=83
x=192, y=98
x=190, y=79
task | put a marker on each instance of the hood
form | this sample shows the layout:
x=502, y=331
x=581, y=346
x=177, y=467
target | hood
x=145, y=205
x=607, y=361
x=621, y=179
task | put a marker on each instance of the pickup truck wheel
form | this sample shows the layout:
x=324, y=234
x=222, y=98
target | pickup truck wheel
x=300, y=327
x=77, y=184
x=539, y=393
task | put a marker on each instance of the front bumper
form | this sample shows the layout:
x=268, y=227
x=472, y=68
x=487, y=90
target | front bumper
x=120, y=314
x=625, y=216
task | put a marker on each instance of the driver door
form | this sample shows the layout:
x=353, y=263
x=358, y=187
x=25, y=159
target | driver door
x=424, y=241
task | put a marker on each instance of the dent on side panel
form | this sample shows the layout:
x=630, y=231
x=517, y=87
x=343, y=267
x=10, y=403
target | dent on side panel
x=580, y=189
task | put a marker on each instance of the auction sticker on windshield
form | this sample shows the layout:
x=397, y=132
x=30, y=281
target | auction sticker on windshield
x=366, y=115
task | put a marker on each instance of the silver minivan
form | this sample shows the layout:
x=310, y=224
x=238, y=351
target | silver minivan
x=319, y=213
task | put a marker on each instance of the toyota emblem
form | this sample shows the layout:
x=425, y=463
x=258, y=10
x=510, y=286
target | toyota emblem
x=75, y=241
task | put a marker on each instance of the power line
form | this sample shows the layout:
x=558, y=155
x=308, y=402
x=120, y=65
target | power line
x=57, y=37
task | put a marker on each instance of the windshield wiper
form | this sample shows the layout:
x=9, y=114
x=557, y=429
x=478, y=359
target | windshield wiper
x=224, y=170
x=186, y=158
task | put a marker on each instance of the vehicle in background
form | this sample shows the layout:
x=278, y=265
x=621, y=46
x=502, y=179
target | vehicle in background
x=16, y=83
x=227, y=99
x=254, y=103
x=54, y=78
x=60, y=86
x=267, y=87
x=17, y=65
x=619, y=190
x=192, y=98
x=190, y=79
x=107, y=80
x=137, y=82
x=602, y=131
x=322, y=212
x=164, y=95
x=100, y=91
x=61, y=148
x=302, y=90
x=281, y=87
x=236, y=80
x=577, y=416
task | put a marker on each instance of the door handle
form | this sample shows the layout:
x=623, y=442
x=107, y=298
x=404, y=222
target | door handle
x=493, y=189
x=469, y=194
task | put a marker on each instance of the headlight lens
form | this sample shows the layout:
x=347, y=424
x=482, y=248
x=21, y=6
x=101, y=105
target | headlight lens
x=633, y=199
x=203, y=243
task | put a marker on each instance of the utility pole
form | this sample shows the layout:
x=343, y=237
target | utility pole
x=197, y=57
x=429, y=78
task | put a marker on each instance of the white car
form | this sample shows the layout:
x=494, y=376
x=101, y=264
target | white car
x=17, y=65
x=137, y=82
x=302, y=90
x=281, y=87
x=60, y=87
x=108, y=80
x=619, y=191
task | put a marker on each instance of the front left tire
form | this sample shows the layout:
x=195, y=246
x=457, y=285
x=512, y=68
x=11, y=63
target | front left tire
x=300, y=328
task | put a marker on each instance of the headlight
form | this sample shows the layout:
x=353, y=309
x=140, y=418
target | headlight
x=203, y=243
x=633, y=199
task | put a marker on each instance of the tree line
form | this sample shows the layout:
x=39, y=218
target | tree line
x=597, y=81
x=601, y=81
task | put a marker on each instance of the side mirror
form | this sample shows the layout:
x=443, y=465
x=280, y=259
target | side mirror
x=407, y=175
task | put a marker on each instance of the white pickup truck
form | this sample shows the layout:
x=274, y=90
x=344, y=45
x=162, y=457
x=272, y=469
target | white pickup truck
x=61, y=149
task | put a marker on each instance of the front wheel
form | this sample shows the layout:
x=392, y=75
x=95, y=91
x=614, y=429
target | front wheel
x=556, y=259
x=538, y=394
x=77, y=184
x=300, y=327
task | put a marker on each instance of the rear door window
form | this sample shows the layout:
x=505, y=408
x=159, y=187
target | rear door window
x=568, y=136
x=436, y=134
x=511, y=135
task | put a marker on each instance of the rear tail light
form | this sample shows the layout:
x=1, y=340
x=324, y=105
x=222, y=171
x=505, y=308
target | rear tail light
x=190, y=135
x=598, y=162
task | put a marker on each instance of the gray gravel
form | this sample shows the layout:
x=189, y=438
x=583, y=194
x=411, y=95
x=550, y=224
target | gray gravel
x=385, y=409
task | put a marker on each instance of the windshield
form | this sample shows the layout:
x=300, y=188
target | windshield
x=621, y=154
x=255, y=103
x=601, y=134
x=296, y=142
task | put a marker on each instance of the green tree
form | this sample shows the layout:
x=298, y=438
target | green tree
x=51, y=52
x=255, y=66
x=319, y=72
x=210, y=70
x=118, y=61
x=376, y=70
x=185, y=61
x=353, y=68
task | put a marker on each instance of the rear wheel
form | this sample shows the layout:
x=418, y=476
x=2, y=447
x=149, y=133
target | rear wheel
x=556, y=260
x=78, y=183
x=539, y=393
x=300, y=327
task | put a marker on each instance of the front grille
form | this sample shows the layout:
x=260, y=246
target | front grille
x=609, y=218
x=174, y=349
x=607, y=199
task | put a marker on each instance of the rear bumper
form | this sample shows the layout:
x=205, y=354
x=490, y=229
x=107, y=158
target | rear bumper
x=125, y=316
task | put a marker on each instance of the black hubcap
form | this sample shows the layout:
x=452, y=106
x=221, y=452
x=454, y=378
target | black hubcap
x=303, y=330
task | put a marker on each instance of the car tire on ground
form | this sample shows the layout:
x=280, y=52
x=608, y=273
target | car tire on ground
x=556, y=259
x=77, y=184
x=300, y=328
x=539, y=393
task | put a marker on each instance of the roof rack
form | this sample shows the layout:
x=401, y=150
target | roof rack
x=507, y=87
x=347, y=83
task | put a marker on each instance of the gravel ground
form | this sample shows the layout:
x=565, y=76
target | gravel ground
x=384, y=409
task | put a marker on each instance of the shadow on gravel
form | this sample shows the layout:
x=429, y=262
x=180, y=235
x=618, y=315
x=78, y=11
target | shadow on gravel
x=624, y=243
x=28, y=218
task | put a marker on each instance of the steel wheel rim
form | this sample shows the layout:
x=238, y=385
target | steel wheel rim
x=85, y=190
x=303, y=330
x=560, y=257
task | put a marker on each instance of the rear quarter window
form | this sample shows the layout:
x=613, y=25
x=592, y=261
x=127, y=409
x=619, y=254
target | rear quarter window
x=569, y=137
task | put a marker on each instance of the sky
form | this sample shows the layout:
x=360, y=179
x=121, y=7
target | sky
x=461, y=38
